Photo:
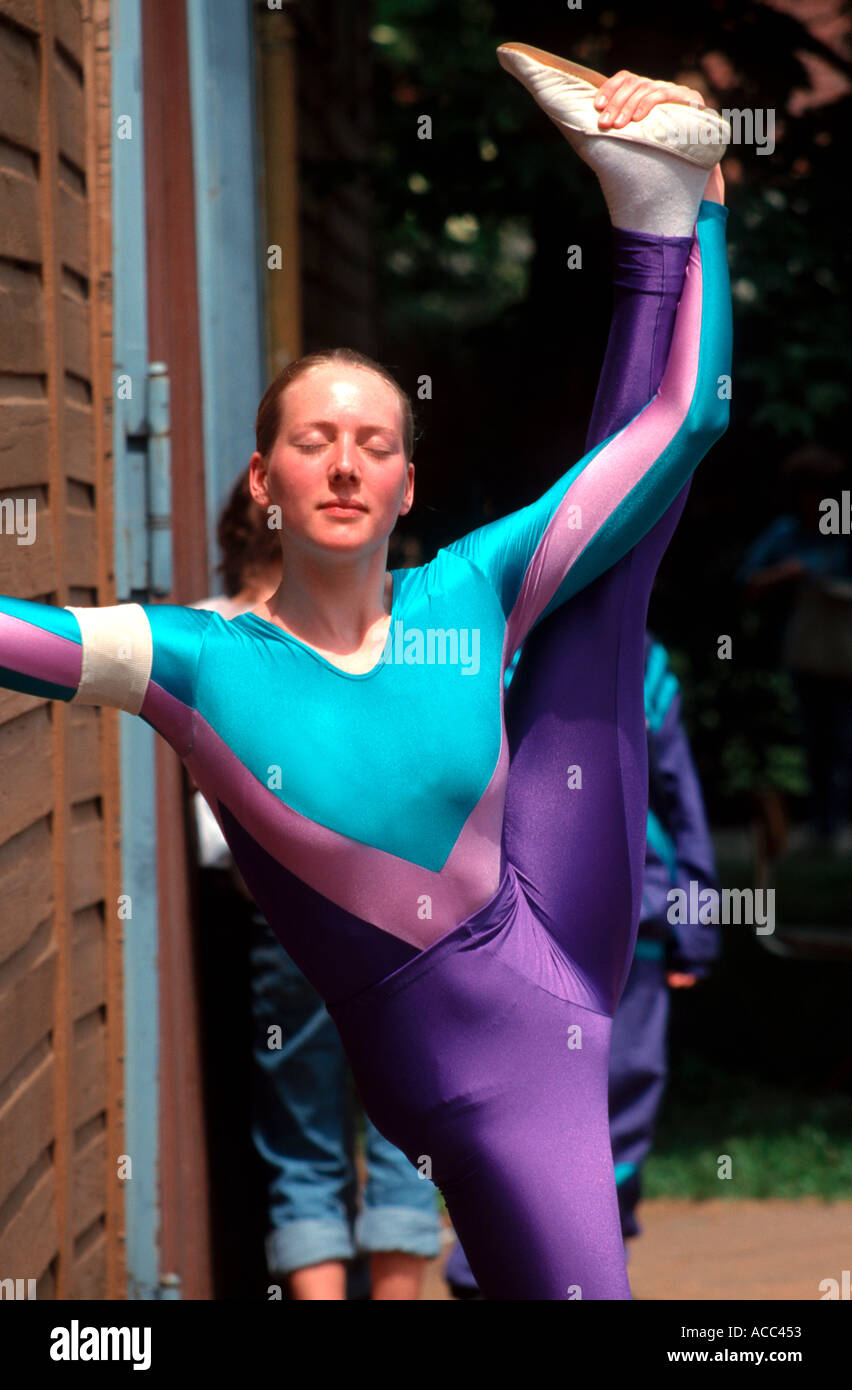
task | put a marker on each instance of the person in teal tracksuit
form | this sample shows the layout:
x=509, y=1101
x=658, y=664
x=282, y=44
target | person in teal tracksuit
x=667, y=955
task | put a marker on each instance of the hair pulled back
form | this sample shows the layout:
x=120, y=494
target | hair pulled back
x=269, y=411
x=246, y=541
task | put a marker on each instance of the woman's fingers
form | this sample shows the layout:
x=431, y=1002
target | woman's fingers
x=608, y=89
x=631, y=100
x=612, y=93
x=666, y=91
x=628, y=97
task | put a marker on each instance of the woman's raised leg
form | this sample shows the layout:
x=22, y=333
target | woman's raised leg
x=576, y=802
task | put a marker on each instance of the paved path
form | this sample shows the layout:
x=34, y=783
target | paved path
x=728, y=1250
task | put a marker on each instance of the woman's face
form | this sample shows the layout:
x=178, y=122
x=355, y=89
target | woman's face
x=340, y=442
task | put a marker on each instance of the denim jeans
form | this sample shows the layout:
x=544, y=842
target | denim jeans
x=303, y=1125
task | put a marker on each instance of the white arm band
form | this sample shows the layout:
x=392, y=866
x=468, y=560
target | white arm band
x=118, y=653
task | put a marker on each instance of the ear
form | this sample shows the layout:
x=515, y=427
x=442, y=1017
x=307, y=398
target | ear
x=257, y=481
x=408, y=495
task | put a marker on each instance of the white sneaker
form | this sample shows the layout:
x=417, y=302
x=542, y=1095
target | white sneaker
x=566, y=92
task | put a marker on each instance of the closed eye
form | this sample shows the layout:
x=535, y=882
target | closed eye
x=311, y=448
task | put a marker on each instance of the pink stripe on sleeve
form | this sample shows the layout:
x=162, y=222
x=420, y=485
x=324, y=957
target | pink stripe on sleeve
x=617, y=469
x=32, y=651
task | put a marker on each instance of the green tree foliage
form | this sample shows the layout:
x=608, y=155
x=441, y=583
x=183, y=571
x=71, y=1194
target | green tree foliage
x=475, y=225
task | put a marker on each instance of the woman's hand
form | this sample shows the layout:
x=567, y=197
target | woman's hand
x=680, y=980
x=628, y=97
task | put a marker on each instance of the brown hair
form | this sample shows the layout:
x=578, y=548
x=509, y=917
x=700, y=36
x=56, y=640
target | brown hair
x=269, y=411
x=246, y=540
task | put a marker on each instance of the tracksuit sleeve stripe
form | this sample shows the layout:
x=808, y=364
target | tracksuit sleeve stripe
x=618, y=492
x=40, y=649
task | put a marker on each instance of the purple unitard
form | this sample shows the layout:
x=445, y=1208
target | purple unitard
x=460, y=881
x=648, y=274
x=512, y=1115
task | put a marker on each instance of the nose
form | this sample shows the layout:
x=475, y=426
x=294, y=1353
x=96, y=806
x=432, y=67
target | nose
x=344, y=458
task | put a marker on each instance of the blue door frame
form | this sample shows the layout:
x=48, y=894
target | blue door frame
x=225, y=157
x=136, y=748
x=227, y=231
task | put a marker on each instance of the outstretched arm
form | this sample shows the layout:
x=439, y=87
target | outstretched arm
x=135, y=657
x=540, y=556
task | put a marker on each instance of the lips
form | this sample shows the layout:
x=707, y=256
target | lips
x=354, y=506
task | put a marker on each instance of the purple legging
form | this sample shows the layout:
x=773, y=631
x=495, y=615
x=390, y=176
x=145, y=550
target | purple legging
x=496, y=1039
x=577, y=696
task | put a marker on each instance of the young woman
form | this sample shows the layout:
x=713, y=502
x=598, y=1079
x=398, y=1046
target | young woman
x=465, y=898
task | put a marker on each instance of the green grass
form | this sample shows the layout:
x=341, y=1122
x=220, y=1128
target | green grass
x=782, y=1141
x=759, y=1055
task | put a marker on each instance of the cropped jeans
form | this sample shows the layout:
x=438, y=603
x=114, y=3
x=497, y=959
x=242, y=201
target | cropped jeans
x=304, y=1108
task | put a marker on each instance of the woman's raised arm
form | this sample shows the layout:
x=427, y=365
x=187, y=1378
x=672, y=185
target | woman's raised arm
x=543, y=554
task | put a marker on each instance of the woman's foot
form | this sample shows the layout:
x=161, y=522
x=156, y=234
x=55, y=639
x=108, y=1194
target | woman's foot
x=650, y=144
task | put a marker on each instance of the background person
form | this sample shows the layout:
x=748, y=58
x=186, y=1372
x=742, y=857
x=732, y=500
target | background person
x=668, y=955
x=811, y=570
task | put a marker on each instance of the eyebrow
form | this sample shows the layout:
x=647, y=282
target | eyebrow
x=325, y=424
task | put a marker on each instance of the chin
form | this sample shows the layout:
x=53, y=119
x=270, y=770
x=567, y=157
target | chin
x=343, y=537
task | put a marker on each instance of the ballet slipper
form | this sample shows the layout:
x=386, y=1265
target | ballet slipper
x=566, y=92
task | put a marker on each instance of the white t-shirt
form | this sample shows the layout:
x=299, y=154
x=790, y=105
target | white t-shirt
x=213, y=852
